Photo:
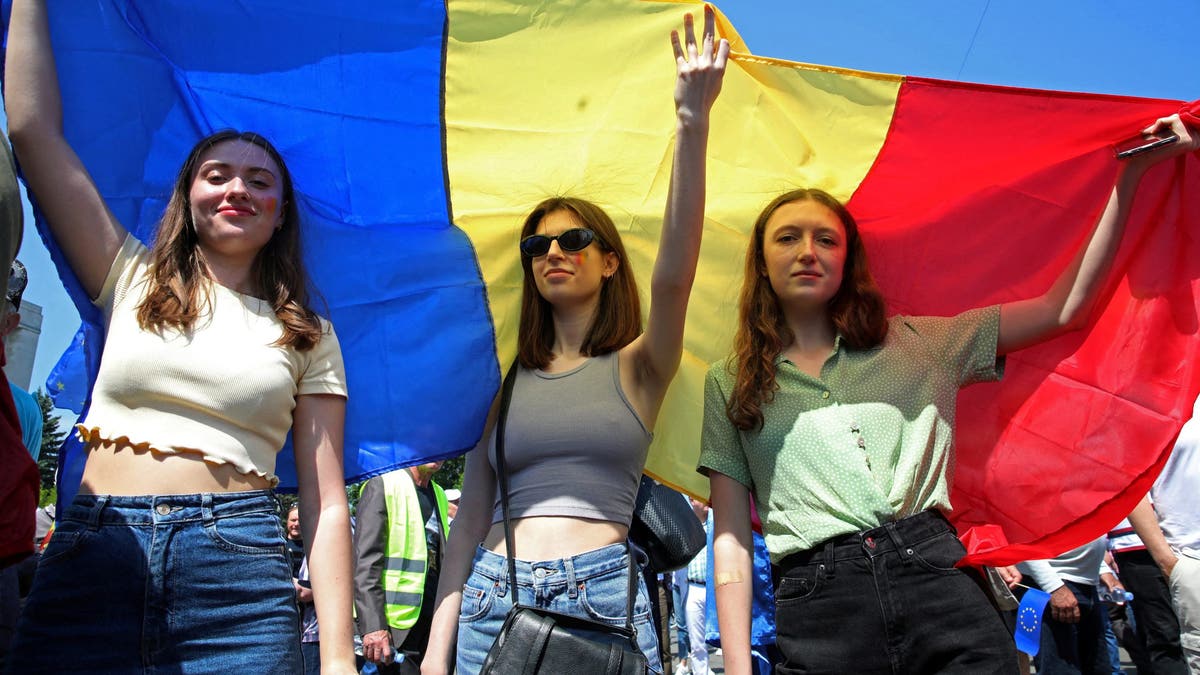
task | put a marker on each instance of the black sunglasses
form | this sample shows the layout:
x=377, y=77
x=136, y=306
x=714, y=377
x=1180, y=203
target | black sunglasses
x=574, y=239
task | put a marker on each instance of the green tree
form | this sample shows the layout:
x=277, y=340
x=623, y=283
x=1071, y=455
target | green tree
x=450, y=475
x=52, y=439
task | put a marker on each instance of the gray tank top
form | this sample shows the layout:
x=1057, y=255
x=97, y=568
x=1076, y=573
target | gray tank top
x=573, y=444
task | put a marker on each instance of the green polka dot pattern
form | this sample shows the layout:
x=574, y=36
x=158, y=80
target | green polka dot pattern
x=869, y=441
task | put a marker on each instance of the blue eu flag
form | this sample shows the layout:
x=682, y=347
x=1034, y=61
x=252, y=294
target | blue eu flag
x=1028, y=633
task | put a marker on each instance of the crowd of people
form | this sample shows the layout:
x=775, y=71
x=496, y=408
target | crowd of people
x=831, y=419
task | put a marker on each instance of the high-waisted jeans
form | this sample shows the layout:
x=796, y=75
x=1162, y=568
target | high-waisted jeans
x=195, y=583
x=593, y=585
x=888, y=600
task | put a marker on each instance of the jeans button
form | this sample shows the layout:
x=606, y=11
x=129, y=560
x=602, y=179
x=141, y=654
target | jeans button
x=163, y=509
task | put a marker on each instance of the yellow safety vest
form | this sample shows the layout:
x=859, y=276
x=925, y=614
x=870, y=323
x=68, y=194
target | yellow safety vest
x=405, y=554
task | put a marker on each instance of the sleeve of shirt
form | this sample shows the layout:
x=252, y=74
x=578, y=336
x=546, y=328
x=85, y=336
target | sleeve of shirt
x=326, y=373
x=131, y=262
x=33, y=433
x=12, y=218
x=302, y=577
x=720, y=442
x=369, y=540
x=1043, y=574
x=964, y=344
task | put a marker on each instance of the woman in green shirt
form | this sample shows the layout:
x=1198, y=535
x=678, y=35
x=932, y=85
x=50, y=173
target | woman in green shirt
x=839, y=422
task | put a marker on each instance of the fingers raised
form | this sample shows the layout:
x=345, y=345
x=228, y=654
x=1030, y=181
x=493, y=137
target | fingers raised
x=689, y=30
x=722, y=54
x=710, y=28
x=676, y=47
x=709, y=50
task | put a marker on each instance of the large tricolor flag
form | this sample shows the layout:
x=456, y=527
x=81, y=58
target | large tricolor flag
x=421, y=132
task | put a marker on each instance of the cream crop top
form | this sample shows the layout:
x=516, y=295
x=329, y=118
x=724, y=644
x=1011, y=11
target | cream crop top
x=222, y=390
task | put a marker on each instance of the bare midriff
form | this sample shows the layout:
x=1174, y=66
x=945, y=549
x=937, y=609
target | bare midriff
x=115, y=469
x=554, y=537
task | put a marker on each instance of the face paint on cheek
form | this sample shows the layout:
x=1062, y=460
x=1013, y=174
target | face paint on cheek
x=577, y=258
x=271, y=204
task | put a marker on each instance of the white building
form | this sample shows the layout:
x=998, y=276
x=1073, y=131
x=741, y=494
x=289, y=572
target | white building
x=21, y=346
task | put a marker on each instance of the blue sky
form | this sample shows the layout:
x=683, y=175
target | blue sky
x=1101, y=46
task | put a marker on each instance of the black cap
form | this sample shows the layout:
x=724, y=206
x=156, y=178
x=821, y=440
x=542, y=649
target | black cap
x=18, y=278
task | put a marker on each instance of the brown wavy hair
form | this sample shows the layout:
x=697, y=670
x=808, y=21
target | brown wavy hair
x=857, y=311
x=618, y=318
x=178, y=290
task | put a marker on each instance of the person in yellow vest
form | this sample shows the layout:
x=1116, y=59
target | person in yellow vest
x=401, y=531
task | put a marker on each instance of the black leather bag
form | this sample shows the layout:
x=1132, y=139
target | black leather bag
x=665, y=527
x=539, y=641
x=534, y=641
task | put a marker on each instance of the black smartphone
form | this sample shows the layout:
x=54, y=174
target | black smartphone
x=1144, y=143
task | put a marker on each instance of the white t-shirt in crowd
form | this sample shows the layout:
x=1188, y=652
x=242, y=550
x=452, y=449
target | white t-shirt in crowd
x=1175, y=492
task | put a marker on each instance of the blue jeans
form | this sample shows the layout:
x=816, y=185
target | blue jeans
x=1072, y=648
x=679, y=617
x=593, y=585
x=888, y=600
x=311, y=651
x=163, y=584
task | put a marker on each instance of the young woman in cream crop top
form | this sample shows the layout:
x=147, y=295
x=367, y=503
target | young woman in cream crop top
x=580, y=309
x=212, y=355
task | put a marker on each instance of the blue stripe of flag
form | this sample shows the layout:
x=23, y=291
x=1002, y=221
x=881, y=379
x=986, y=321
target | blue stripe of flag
x=351, y=95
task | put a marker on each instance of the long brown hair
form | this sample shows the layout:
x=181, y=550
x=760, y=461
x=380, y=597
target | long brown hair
x=178, y=288
x=618, y=318
x=857, y=312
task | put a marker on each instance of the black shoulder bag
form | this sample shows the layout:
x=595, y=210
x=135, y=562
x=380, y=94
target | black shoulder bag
x=533, y=640
x=665, y=527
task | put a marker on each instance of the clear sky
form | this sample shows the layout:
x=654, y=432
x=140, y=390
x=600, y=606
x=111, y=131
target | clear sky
x=1102, y=46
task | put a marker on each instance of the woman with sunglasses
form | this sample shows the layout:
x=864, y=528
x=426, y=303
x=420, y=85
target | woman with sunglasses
x=839, y=422
x=589, y=385
x=172, y=557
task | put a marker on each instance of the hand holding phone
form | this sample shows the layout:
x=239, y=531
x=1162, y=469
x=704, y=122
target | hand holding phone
x=1143, y=143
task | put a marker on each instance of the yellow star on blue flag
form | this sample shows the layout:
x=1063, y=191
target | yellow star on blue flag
x=1028, y=633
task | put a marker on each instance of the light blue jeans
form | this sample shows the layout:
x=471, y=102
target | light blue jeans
x=163, y=584
x=593, y=585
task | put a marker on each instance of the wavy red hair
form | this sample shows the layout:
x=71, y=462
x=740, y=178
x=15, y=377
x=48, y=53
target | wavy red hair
x=857, y=311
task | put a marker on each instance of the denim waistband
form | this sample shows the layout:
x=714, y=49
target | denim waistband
x=873, y=542
x=154, y=509
x=603, y=560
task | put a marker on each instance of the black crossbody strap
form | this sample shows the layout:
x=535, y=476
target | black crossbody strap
x=506, y=398
x=502, y=470
x=632, y=592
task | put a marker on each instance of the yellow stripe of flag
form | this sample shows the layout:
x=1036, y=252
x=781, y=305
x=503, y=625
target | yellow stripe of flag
x=575, y=97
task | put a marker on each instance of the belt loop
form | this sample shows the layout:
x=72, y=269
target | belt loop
x=97, y=509
x=206, y=509
x=572, y=584
x=502, y=582
x=905, y=552
x=828, y=555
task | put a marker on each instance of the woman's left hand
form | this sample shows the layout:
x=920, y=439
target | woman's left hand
x=700, y=67
x=1189, y=141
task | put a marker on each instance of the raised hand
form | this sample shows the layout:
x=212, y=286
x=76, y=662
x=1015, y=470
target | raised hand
x=1189, y=140
x=700, y=67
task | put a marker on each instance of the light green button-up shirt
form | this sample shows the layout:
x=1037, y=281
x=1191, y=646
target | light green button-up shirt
x=868, y=442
